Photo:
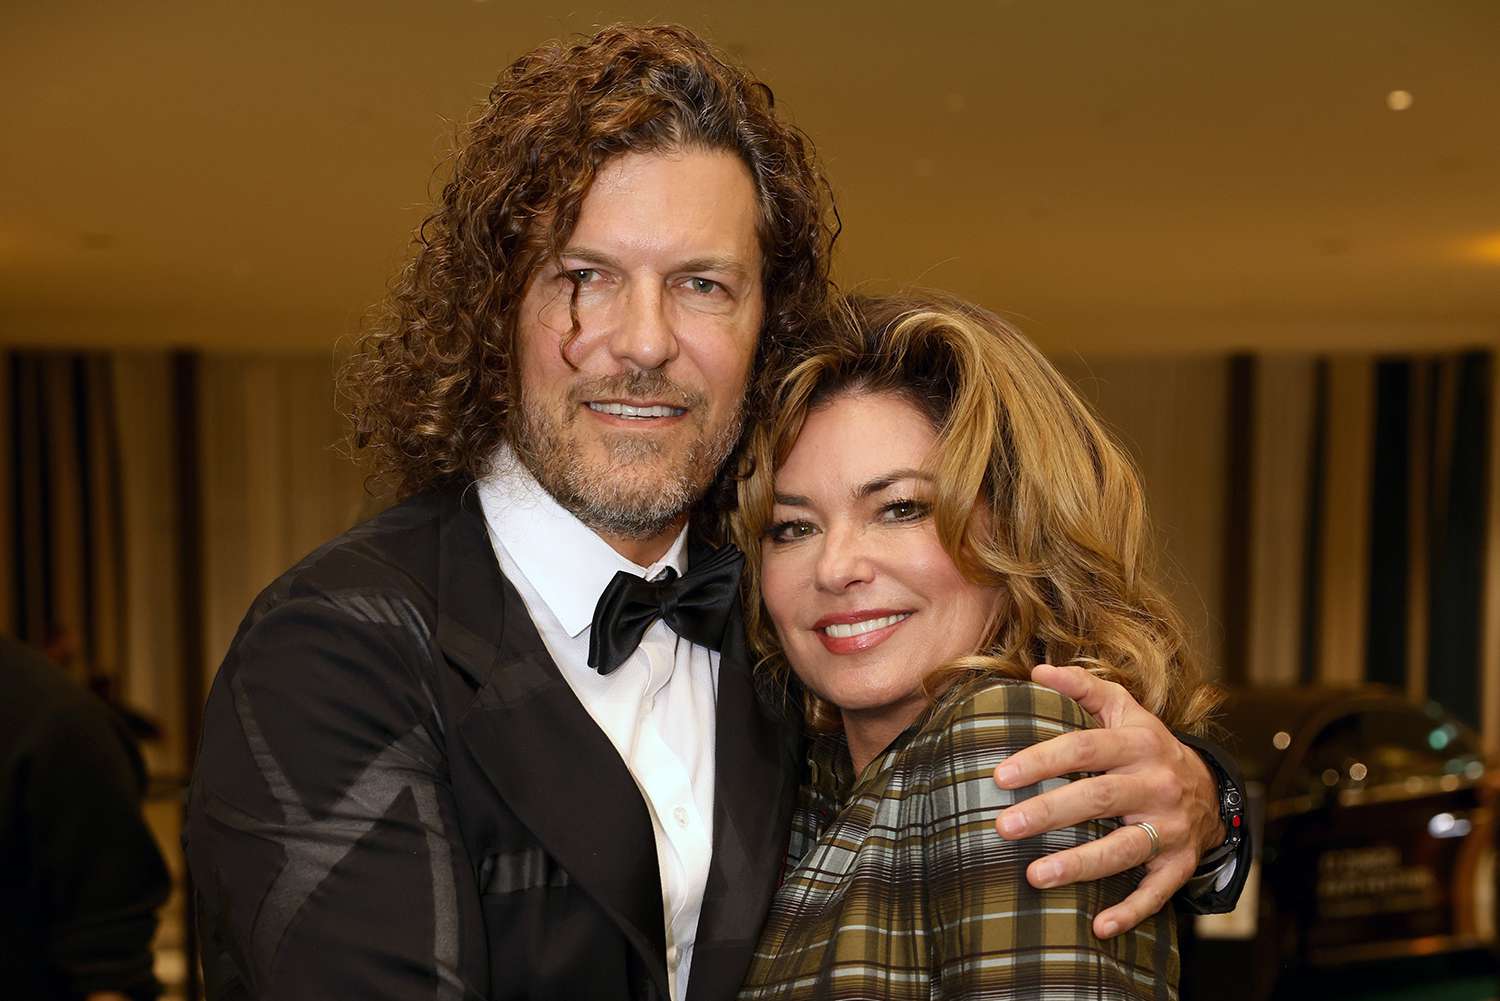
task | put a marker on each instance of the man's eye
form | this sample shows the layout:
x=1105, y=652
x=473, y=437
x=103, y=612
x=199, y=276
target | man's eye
x=582, y=276
x=703, y=286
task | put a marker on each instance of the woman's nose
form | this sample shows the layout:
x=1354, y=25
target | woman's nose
x=844, y=560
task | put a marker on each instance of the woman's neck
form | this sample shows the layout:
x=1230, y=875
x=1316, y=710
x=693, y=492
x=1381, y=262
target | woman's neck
x=870, y=731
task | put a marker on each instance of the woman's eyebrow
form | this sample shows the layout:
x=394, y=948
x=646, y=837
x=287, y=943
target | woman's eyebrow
x=887, y=480
x=866, y=489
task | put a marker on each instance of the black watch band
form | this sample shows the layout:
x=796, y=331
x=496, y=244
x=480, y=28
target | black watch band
x=1222, y=872
x=1231, y=815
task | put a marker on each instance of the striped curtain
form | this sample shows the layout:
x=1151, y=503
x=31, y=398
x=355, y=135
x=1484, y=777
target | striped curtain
x=89, y=528
x=1372, y=477
x=1327, y=520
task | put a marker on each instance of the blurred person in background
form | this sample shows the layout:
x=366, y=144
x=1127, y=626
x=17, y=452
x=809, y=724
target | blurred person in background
x=503, y=740
x=82, y=877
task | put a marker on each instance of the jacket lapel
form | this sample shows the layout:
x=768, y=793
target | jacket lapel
x=755, y=772
x=544, y=754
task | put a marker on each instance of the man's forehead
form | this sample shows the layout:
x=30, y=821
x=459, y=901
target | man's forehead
x=693, y=206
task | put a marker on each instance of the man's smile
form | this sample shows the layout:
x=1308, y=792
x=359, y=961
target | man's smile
x=635, y=411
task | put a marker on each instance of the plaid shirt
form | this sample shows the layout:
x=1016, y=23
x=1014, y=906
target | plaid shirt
x=900, y=889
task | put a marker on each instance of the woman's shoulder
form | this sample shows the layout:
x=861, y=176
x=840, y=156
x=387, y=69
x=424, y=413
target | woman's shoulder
x=977, y=724
x=997, y=699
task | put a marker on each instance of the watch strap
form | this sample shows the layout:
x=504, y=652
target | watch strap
x=1202, y=896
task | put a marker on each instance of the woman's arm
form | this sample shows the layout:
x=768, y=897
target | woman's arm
x=994, y=935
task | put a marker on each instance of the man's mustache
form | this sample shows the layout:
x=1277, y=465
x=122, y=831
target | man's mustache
x=652, y=385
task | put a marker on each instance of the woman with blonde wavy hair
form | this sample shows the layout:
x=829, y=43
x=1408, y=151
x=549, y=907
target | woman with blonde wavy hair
x=932, y=512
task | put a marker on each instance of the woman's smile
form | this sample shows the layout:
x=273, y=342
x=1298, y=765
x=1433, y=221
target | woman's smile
x=853, y=632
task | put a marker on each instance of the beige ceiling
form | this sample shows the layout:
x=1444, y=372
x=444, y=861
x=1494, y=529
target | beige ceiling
x=1116, y=173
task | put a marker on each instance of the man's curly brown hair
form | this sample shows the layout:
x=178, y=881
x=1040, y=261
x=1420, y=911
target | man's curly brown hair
x=432, y=383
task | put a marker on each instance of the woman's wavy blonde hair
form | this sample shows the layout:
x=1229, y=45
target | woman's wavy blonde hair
x=1033, y=497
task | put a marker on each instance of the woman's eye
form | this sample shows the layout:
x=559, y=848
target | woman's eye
x=906, y=510
x=789, y=531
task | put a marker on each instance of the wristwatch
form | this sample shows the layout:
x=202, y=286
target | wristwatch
x=1231, y=815
x=1214, y=887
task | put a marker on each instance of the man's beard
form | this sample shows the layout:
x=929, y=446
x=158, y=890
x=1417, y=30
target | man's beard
x=615, y=497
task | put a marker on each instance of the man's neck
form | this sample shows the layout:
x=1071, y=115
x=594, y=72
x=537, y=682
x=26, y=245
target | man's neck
x=644, y=552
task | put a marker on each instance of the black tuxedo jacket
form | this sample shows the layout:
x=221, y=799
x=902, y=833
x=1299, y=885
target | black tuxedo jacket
x=397, y=795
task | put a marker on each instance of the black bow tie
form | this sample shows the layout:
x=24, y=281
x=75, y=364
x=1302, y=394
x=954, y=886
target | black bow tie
x=696, y=606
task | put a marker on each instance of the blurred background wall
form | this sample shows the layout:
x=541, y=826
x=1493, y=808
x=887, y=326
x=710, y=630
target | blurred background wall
x=1263, y=238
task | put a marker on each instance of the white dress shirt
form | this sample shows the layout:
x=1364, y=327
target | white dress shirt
x=658, y=708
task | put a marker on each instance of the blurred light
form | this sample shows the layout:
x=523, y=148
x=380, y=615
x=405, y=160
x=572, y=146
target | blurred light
x=1486, y=248
x=1474, y=769
x=1330, y=777
x=1438, y=739
x=1448, y=783
x=1358, y=771
x=1445, y=825
x=1282, y=740
x=1398, y=100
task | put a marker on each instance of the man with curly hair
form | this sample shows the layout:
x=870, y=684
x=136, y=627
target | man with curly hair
x=449, y=754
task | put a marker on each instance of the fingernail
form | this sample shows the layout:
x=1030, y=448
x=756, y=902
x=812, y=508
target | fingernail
x=1108, y=929
x=1013, y=825
x=1047, y=873
x=1007, y=774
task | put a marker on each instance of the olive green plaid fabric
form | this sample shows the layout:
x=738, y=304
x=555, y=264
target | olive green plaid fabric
x=901, y=889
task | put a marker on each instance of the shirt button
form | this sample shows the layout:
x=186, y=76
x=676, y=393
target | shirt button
x=680, y=814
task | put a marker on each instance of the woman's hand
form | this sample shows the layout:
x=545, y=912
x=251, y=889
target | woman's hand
x=1146, y=774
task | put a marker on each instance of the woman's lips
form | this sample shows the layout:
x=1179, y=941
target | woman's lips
x=853, y=632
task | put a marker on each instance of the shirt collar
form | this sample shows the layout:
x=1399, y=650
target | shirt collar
x=564, y=561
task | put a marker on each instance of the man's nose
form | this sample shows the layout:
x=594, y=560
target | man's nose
x=644, y=333
x=845, y=560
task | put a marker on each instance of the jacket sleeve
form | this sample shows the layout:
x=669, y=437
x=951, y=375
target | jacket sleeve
x=994, y=935
x=322, y=835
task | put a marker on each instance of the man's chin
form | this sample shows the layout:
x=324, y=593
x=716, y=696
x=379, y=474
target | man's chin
x=624, y=483
x=631, y=499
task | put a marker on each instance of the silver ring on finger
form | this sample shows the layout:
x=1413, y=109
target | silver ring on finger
x=1155, y=838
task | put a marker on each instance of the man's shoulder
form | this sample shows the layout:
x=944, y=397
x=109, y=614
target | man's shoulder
x=395, y=554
